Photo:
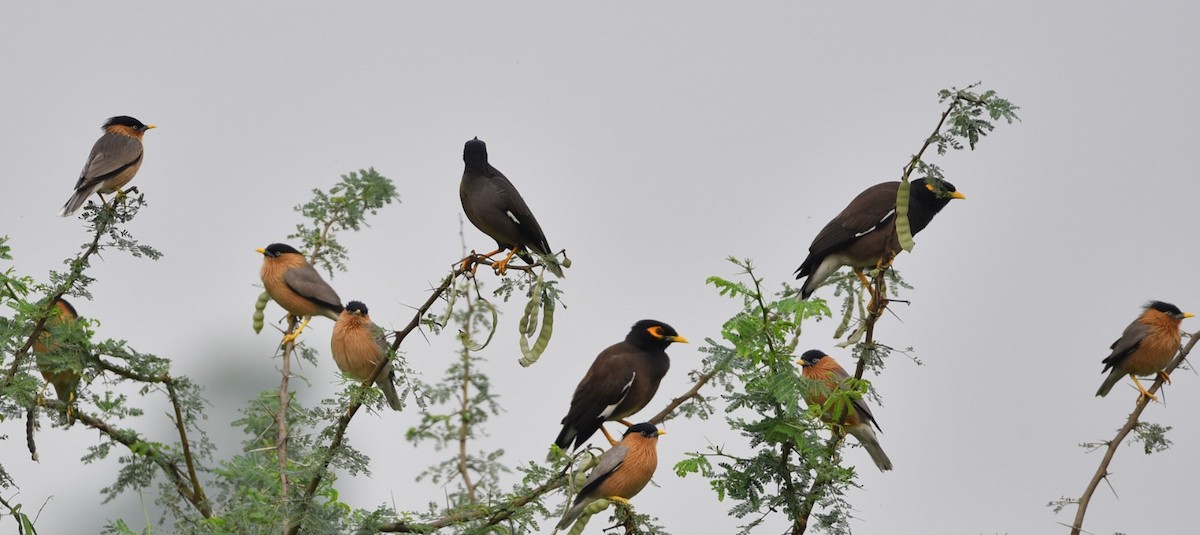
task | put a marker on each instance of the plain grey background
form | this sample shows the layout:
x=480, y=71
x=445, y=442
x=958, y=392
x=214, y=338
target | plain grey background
x=651, y=141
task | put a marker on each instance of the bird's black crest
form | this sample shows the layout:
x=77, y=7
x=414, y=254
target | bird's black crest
x=475, y=154
x=811, y=356
x=642, y=334
x=1165, y=308
x=645, y=429
x=356, y=306
x=276, y=249
x=124, y=120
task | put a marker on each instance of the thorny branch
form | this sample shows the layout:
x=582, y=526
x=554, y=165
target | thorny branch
x=1142, y=402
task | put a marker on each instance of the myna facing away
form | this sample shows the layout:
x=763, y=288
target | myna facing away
x=296, y=286
x=621, y=473
x=827, y=375
x=114, y=160
x=63, y=377
x=358, y=346
x=866, y=229
x=622, y=380
x=1146, y=347
x=495, y=207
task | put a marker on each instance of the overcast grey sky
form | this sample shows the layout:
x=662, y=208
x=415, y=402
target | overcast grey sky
x=651, y=141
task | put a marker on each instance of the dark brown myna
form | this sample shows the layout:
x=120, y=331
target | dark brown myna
x=114, y=160
x=1146, y=347
x=866, y=230
x=826, y=375
x=621, y=473
x=358, y=346
x=64, y=376
x=296, y=286
x=495, y=207
x=622, y=380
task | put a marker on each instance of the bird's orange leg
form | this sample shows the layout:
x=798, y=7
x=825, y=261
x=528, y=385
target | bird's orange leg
x=865, y=282
x=1166, y=378
x=1144, y=393
x=624, y=422
x=472, y=260
x=611, y=442
x=502, y=266
x=289, y=338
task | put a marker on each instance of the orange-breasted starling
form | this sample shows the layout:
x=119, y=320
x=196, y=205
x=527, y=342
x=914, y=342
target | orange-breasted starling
x=115, y=159
x=62, y=376
x=826, y=375
x=495, y=207
x=621, y=473
x=1146, y=347
x=296, y=286
x=622, y=380
x=358, y=346
x=865, y=231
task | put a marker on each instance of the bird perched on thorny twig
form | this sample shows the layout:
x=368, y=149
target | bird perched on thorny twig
x=863, y=235
x=64, y=376
x=1146, y=347
x=826, y=376
x=622, y=380
x=296, y=286
x=621, y=473
x=495, y=207
x=115, y=159
x=358, y=347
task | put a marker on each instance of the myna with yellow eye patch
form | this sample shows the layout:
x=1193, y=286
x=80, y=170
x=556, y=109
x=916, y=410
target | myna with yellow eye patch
x=296, y=286
x=622, y=380
x=495, y=207
x=825, y=376
x=1146, y=347
x=64, y=376
x=358, y=347
x=115, y=159
x=621, y=473
x=864, y=233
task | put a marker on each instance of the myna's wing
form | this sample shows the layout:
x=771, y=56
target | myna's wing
x=111, y=154
x=306, y=282
x=873, y=207
x=518, y=212
x=604, y=386
x=609, y=463
x=1126, y=344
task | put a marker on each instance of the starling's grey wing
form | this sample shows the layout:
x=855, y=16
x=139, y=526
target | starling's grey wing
x=1126, y=344
x=112, y=154
x=306, y=282
x=609, y=463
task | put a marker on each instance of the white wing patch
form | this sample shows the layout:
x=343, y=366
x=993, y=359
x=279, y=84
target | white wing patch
x=608, y=411
x=512, y=217
x=872, y=229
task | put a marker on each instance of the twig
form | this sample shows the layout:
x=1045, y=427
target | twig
x=197, y=490
x=464, y=414
x=281, y=425
x=1130, y=423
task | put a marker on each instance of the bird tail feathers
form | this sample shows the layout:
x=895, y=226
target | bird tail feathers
x=1109, y=382
x=389, y=390
x=572, y=514
x=75, y=202
x=866, y=437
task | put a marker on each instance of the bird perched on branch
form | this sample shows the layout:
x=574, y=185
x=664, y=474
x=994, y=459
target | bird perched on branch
x=296, y=286
x=865, y=231
x=826, y=376
x=358, y=347
x=115, y=159
x=495, y=207
x=63, y=376
x=621, y=381
x=621, y=473
x=1146, y=347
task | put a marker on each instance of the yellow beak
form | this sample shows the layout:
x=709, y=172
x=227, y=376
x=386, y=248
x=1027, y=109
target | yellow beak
x=679, y=339
x=260, y=250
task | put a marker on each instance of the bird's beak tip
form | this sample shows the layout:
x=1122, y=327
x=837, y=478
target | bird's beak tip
x=957, y=195
x=1188, y=315
x=680, y=339
x=151, y=126
x=260, y=250
x=661, y=432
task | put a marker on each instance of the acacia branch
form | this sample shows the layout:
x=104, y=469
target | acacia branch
x=197, y=490
x=1130, y=423
x=281, y=423
x=464, y=414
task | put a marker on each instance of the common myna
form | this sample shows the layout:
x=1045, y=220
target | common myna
x=826, y=376
x=866, y=230
x=495, y=207
x=1146, y=347
x=358, y=346
x=296, y=286
x=62, y=375
x=622, y=380
x=621, y=473
x=115, y=158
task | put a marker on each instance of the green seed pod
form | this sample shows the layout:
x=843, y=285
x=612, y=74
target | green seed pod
x=903, y=229
x=259, y=306
x=596, y=506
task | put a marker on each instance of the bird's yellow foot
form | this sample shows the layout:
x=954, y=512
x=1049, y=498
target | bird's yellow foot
x=1165, y=377
x=502, y=266
x=291, y=337
x=1144, y=393
x=611, y=442
x=619, y=500
x=41, y=397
